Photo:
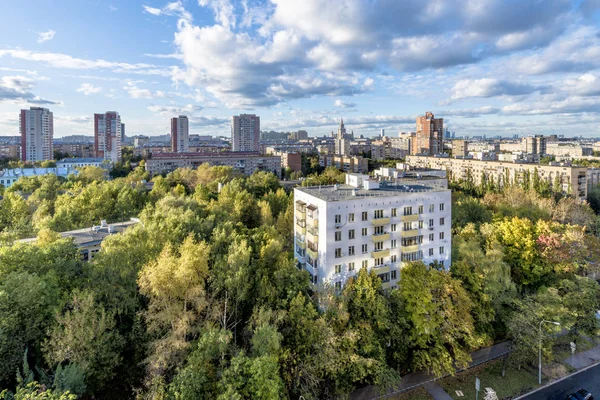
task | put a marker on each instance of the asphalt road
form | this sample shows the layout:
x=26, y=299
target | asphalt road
x=588, y=380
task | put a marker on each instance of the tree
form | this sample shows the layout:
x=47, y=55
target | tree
x=85, y=336
x=174, y=285
x=438, y=311
x=36, y=391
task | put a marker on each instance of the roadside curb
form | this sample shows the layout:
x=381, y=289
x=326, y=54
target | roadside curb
x=557, y=381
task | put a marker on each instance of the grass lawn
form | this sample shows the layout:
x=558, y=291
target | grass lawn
x=417, y=394
x=514, y=382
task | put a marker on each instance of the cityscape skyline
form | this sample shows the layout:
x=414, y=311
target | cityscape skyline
x=535, y=70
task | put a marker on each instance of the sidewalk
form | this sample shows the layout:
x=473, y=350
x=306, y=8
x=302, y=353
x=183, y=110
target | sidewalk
x=584, y=359
x=420, y=378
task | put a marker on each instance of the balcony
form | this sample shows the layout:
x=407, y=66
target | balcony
x=380, y=221
x=382, y=269
x=410, y=233
x=381, y=253
x=381, y=237
x=300, y=243
x=410, y=218
x=301, y=259
x=312, y=270
x=312, y=253
x=410, y=249
x=386, y=285
x=312, y=234
x=300, y=214
x=301, y=229
x=313, y=222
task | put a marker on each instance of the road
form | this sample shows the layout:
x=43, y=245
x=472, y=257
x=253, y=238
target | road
x=588, y=380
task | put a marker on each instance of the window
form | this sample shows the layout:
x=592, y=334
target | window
x=351, y=234
x=407, y=226
x=351, y=217
x=407, y=210
x=431, y=223
x=442, y=220
x=338, y=219
x=338, y=286
x=441, y=235
x=338, y=253
x=441, y=206
x=378, y=262
x=365, y=216
x=378, y=230
x=431, y=208
x=365, y=263
x=430, y=252
x=442, y=263
x=378, y=246
x=393, y=228
x=420, y=209
x=394, y=274
x=351, y=250
x=441, y=249
x=393, y=243
x=378, y=214
x=338, y=268
x=393, y=258
x=365, y=231
x=338, y=236
x=351, y=266
x=421, y=224
x=431, y=239
x=365, y=248
x=414, y=256
x=393, y=212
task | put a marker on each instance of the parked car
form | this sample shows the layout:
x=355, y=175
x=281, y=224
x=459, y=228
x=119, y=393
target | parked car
x=581, y=394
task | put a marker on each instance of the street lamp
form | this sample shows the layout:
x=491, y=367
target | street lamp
x=540, y=369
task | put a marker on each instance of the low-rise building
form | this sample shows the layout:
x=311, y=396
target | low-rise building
x=84, y=162
x=245, y=162
x=572, y=180
x=10, y=151
x=10, y=176
x=369, y=224
x=82, y=150
x=356, y=164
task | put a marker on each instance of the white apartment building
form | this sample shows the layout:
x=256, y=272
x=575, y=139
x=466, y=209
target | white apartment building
x=245, y=132
x=107, y=135
x=180, y=132
x=36, y=126
x=366, y=224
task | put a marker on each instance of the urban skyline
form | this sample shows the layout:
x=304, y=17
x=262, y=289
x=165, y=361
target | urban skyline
x=506, y=68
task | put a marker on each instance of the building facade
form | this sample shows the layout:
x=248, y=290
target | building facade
x=180, y=132
x=107, y=136
x=429, y=136
x=355, y=164
x=245, y=132
x=36, y=126
x=246, y=163
x=534, y=145
x=342, y=228
x=572, y=180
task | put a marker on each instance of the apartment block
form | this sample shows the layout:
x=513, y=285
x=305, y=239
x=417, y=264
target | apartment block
x=534, y=145
x=180, y=131
x=364, y=223
x=573, y=180
x=245, y=132
x=36, y=126
x=460, y=148
x=107, y=136
x=428, y=139
x=82, y=150
x=245, y=162
x=356, y=164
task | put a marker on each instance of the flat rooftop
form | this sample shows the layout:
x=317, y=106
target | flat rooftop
x=344, y=192
x=87, y=235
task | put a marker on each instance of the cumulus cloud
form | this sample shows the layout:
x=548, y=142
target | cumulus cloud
x=88, y=88
x=17, y=90
x=139, y=93
x=489, y=87
x=45, y=36
x=343, y=104
x=173, y=110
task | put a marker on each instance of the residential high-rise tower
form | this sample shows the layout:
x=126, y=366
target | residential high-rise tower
x=245, y=132
x=36, y=126
x=107, y=135
x=429, y=138
x=180, y=134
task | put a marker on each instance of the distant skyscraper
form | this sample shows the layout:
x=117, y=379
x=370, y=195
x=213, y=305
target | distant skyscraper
x=245, y=132
x=36, y=126
x=107, y=135
x=429, y=136
x=180, y=134
x=342, y=140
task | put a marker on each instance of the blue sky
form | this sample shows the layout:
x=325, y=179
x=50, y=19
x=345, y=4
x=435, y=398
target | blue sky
x=485, y=66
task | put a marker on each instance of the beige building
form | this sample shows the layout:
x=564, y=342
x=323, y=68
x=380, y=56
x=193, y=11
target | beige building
x=245, y=162
x=572, y=179
x=568, y=150
x=356, y=164
x=10, y=151
x=460, y=148
x=429, y=137
x=80, y=150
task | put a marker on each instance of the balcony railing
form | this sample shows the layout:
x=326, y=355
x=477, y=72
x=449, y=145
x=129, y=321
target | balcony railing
x=409, y=233
x=410, y=218
x=312, y=253
x=381, y=237
x=410, y=248
x=381, y=253
x=380, y=221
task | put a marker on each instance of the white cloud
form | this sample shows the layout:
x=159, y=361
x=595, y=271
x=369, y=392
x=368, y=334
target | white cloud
x=112, y=8
x=223, y=10
x=172, y=110
x=17, y=90
x=489, y=87
x=88, y=88
x=45, y=36
x=138, y=93
x=152, y=10
x=343, y=104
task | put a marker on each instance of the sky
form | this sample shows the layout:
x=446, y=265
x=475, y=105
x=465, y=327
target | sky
x=493, y=67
